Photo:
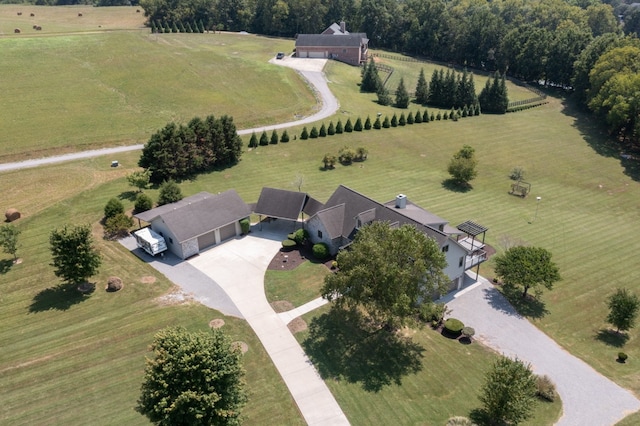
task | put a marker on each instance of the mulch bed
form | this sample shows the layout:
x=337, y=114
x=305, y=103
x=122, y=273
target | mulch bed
x=288, y=259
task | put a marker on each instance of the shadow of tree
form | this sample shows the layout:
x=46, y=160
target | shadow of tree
x=480, y=417
x=595, y=134
x=612, y=338
x=530, y=307
x=128, y=195
x=342, y=347
x=61, y=298
x=456, y=186
x=5, y=265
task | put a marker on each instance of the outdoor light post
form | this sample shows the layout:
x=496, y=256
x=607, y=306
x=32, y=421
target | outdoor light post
x=537, y=206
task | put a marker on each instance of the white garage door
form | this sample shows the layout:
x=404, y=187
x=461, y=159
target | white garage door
x=317, y=54
x=228, y=231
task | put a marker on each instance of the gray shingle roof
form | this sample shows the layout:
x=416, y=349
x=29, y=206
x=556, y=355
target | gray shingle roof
x=280, y=203
x=198, y=214
x=356, y=204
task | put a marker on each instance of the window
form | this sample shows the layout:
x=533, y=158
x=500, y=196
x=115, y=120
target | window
x=460, y=262
x=445, y=248
x=170, y=240
x=319, y=233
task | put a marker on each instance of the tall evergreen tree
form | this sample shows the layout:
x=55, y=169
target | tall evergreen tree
x=331, y=130
x=383, y=96
x=402, y=96
x=264, y=139
x=370, y=78
x=422, y=89
x=274, y=137
x=436, y=88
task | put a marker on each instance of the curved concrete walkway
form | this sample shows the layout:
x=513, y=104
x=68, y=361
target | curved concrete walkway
x=588, y=398
x=312, y=72
x=238, y=267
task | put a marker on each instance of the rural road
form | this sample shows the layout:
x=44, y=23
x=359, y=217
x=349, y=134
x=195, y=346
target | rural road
x=310, y=69
x=588, y=398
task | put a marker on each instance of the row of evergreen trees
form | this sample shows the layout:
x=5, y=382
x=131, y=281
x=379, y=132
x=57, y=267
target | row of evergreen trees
x=179, y=27
x=178, y=152
x=493, y=97
x=359, y=125
x=446, y=90
x=266, y=140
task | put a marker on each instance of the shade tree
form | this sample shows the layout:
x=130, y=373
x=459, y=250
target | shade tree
x=623, y=309
x=74, y=257
x=527, y=267
x=388, y=272
x=9, y=239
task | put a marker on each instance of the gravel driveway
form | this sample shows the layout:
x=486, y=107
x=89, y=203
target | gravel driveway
x=588, y=398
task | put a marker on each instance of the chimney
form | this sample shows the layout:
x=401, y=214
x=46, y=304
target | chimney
x=401, y=201
x=343, y=27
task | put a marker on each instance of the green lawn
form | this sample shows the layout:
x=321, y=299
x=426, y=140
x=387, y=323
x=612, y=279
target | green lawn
x=94, y=350
x=418, y=378
x=81, y=91
x=298, y=286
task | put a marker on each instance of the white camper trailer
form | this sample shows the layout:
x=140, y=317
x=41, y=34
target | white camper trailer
x=150, y=241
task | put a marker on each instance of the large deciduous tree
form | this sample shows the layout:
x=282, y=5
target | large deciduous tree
x=623, y=309
x=75, y=259
x=389, y=272
x=9, y=240
x=528, y=267
x=509, y=392
x=193, y=379
x=462, y=166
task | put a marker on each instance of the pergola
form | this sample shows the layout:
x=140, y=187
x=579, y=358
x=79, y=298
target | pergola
x=472, y=229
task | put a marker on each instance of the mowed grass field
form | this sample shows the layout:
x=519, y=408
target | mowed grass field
x=57, y=356
x=77, y=91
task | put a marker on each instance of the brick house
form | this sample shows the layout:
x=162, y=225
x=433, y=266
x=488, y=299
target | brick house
x=334, y=43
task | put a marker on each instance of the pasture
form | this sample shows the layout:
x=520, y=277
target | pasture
x=81, y=360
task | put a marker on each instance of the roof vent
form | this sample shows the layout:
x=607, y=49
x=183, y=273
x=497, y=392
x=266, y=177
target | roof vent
x=401, y=201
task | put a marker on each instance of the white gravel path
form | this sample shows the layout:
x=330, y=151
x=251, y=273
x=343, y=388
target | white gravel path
x=588, y=398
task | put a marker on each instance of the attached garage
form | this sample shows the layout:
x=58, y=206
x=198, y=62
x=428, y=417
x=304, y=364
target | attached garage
x=198, y=222
x=317, y=54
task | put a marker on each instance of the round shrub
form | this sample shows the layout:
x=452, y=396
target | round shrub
x=300, y=236
x=453, y=326
x=113, y=207
x=143, y=203
x=321, y=251
x=468, y=332
x=288, y=244
x=622, y=357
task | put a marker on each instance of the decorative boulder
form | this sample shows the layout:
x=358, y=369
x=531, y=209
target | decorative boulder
x=12, y=214
x=114, y=284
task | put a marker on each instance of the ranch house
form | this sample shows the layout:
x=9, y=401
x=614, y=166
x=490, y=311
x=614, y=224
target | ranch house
x=336, y=223
x=334, y=43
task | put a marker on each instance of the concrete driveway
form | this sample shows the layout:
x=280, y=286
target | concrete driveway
x=588, y=398
x=238, y=267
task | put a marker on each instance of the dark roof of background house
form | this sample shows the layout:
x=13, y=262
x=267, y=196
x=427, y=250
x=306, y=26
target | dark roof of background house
x=198, y=214
x=331, y=40
x=356, y=204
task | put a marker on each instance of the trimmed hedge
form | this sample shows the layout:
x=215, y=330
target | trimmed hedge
x=245, y=225
x=288, y=244
x=453, y=326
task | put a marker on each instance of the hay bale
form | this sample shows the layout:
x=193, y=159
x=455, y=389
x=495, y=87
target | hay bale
x=17, y=31
x=32, y=14
x=114, y=284
x=79, y=14
x=38, y=28
x=19, y=13
x=12, y=214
